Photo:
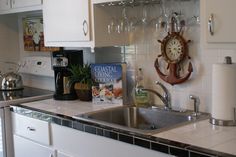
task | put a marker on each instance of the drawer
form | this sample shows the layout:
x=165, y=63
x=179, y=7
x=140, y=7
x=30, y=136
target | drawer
x=33, y=129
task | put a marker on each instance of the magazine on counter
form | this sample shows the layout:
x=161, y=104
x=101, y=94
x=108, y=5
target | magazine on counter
x=109, y=83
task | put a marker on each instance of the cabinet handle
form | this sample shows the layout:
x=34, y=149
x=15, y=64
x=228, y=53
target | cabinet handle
x=51, y=155
x=7, y=2
x=31, y=129
x=85, y=27
x=235, y=114
x=211, y=25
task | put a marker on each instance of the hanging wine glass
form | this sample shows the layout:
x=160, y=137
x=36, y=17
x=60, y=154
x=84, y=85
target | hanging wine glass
x=112, y=26
x=123, y=24
x=180, y=16
x=132, y=17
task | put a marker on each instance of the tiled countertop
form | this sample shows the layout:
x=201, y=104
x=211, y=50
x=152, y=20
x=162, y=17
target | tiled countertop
x=67, y=108
x=199, y=137
x=203, y=134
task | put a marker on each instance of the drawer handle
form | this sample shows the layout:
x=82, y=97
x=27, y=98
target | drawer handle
x=31, y=129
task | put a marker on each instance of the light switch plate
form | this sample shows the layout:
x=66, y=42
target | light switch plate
x=36, y=65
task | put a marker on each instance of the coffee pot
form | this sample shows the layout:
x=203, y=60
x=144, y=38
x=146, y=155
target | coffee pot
x=61, y=62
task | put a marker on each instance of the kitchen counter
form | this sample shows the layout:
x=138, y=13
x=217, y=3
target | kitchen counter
x=203, y=134
x=195, y=139
x=67, y=108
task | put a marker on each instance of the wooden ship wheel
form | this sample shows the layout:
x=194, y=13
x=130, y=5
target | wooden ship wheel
x=174, y=50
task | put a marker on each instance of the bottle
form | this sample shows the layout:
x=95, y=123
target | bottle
x=141, y=98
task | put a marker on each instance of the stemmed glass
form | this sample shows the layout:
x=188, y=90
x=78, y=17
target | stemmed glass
x=132, y=20
x=160, y=22
x=123, y=24
x=112, y=26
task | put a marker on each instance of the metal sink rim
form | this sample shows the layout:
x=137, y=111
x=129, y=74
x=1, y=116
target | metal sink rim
x=82, y=117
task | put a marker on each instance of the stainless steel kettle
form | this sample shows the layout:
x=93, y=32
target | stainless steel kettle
x=11, y=80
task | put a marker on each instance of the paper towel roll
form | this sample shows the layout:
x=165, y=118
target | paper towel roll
x=223, y=91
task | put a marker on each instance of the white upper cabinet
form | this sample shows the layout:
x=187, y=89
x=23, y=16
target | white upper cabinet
x=66, y=21
x=79, y=23
x=15, y=6
x=25, y=3
x=5, y=5
x=218, y=24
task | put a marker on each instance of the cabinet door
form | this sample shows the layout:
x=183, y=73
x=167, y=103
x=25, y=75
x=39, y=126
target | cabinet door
x=81, y=144
x=26, y=148
x=4, y=5
x=25, y=3
x=60, y=154
x=67, y=21
x=223, y=23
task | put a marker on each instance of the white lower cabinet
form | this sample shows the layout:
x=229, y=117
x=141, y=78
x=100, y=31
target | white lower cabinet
x=27, y=148
x=60, y=154
x=81, y=144
x=67, y=142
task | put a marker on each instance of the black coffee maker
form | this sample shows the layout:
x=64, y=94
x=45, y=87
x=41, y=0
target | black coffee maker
x=61, y=62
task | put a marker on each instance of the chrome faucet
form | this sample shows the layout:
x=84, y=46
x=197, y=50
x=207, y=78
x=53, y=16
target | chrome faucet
x=196, y=104
x=166, y=99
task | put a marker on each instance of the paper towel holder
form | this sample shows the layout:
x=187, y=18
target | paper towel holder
x=220, y=122
x=224, y=122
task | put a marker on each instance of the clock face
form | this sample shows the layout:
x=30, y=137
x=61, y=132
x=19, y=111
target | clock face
x=174, y=49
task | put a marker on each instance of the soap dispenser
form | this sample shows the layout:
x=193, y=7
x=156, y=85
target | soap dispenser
x=140, y=97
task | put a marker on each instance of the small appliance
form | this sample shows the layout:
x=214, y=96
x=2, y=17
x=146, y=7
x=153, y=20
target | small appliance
x=61, y=62
x=11, y=80
x=223, y=93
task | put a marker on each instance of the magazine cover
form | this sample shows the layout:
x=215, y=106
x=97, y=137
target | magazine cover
x=109, y=83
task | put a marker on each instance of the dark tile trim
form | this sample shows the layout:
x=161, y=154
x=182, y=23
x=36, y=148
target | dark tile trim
x=67, y=123
x=110, y=134
x=99, y=131
x=126, y=138
x=90, y=129
x=78, y=126
x=160, y=147
x=142, y=143
x=179, y=152
x=56, y=120
x=146, y=141
x=193, y=154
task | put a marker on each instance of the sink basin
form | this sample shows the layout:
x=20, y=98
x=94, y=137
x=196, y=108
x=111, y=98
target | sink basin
x=141, y=120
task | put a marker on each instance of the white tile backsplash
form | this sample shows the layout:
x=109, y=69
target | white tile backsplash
x=146, y=49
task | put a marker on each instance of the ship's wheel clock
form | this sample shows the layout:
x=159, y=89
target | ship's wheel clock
x=174, y=50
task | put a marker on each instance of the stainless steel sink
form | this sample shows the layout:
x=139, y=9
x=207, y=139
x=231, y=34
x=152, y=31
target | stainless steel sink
x=141, y=120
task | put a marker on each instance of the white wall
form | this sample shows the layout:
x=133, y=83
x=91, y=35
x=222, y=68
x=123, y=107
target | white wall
x=9, y=47
x=37, y=80
x=33, y=80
